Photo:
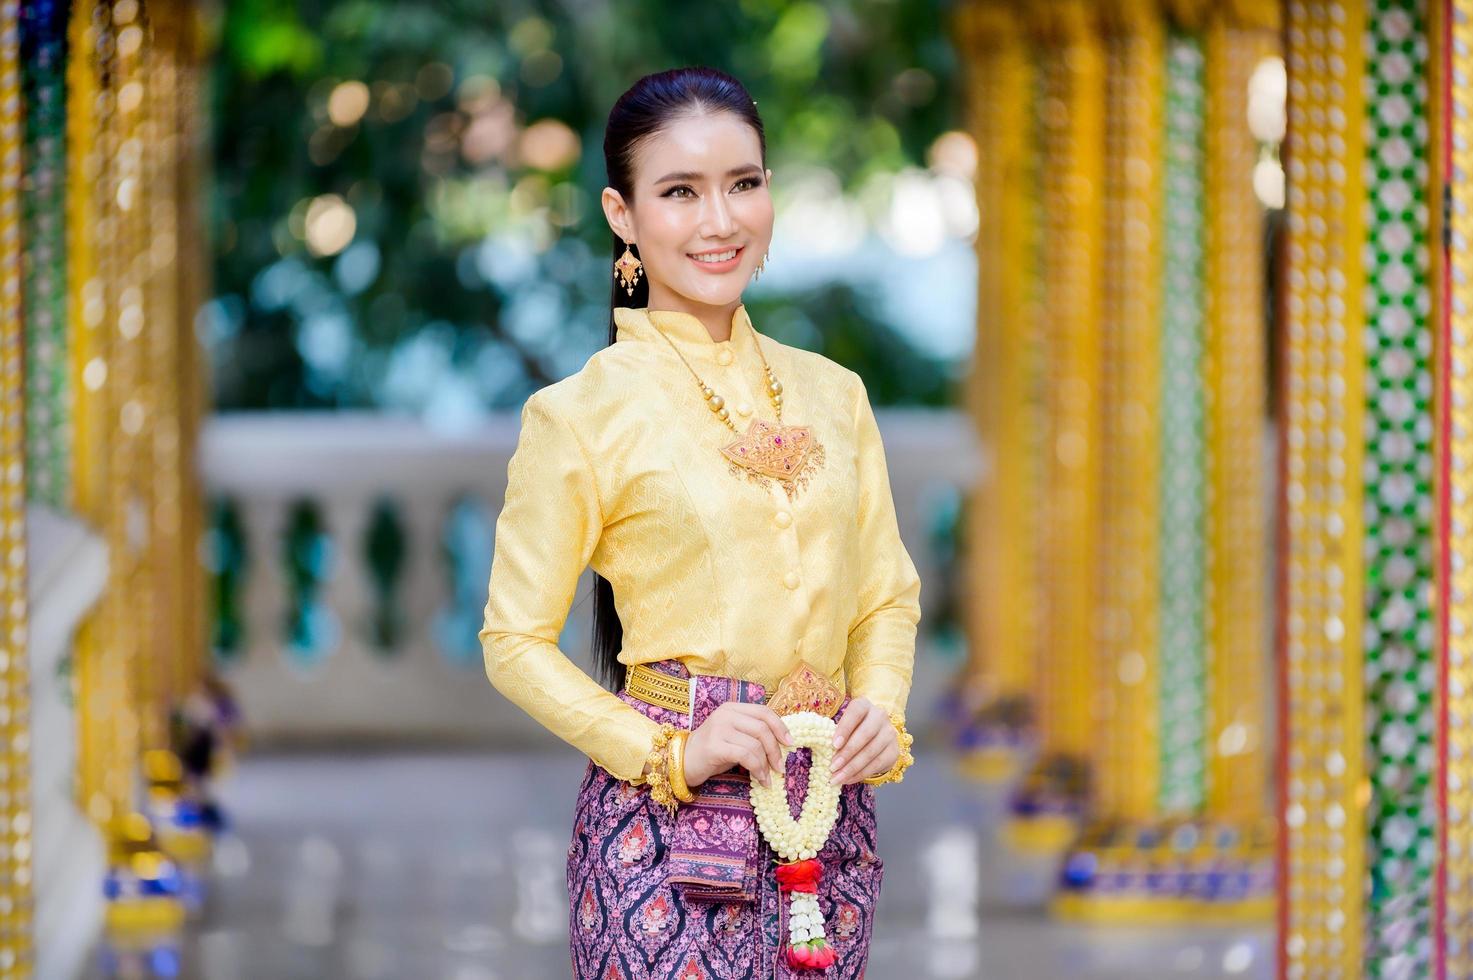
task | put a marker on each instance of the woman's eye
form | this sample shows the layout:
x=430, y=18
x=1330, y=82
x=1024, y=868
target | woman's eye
x=754, y=181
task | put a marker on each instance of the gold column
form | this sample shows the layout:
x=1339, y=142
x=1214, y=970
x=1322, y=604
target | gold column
x=174, y=559
x=191, y=288
x=108, y=414
x=137, y=278
x=1322, y=884
x=15, y=690
x=141, y=325
x=1127, y=762
x=1070, y=60
x=1001, y=557
x=173, y=288
x=1236, y=371
x=1072, y=66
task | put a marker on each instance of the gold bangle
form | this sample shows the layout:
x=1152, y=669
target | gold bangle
x=678, y=787
x=659, y=766
x=896, y=773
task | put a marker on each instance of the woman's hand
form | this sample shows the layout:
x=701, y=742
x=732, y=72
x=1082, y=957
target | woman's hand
x=736, y=734
x=865, y=743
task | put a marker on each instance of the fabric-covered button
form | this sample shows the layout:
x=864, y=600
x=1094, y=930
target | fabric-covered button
x=723, y=356
x=790, y=580
x=745, y=408
x=783, y=518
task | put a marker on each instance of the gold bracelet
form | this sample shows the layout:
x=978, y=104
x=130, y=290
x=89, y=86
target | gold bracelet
x=896, y=773
x=659, y=765
x=678, y=787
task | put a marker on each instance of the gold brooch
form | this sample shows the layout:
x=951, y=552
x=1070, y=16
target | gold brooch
x=772, y=451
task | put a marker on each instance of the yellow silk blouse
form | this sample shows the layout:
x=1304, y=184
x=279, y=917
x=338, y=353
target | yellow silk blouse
x=618, y=467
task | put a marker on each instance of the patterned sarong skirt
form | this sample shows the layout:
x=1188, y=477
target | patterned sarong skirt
x=628, y=922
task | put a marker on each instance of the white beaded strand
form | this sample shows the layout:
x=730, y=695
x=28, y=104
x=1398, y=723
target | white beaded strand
x=803, y=838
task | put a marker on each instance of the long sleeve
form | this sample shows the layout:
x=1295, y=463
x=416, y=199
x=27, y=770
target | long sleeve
x=880, y=656
x=547, y=531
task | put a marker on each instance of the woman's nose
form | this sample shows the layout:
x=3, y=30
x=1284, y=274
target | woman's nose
x=718, y=217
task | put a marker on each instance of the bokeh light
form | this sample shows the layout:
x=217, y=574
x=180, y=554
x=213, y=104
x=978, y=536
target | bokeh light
x=348, y=103
x=330, y=224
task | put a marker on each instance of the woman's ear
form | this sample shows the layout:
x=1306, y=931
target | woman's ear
x=617, y=213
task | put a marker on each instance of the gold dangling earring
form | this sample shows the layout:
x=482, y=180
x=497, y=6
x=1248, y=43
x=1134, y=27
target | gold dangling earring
x=757, y=273
x=627, y=269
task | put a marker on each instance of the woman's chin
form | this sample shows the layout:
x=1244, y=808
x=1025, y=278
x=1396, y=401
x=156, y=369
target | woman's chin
x=715, y=292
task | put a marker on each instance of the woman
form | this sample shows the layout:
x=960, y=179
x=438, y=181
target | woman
x=731, y=494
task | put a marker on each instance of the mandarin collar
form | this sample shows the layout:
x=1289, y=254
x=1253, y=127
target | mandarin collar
x=684, y=330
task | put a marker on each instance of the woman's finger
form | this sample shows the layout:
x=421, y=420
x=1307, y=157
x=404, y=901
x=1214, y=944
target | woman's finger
x=866, y=731
x=764, y=714
x=749, y=755
x=775, y=721
x=860, y=749
x=880, y=764
x=863, y=762
x=758, y=729
x=853, y=714
x=884, y=762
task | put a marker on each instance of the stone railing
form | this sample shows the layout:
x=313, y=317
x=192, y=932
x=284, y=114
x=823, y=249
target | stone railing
x=66, y=573
x=345, y=464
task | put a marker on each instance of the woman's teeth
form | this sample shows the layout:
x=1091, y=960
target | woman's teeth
x=716, y=256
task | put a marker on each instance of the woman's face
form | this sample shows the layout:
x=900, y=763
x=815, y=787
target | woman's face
x=699, y=191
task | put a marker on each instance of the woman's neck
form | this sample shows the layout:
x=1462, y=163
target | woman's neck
x=716, y=319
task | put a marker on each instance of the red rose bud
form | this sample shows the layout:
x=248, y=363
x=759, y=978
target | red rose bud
x=799, y=873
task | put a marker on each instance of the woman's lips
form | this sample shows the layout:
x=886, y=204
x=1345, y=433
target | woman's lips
x=726, y=266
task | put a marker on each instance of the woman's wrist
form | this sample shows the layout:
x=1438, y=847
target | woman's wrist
x=657, y=768
x=678, y=785
x=694, y=760
x=664, y=768
x=896, y=773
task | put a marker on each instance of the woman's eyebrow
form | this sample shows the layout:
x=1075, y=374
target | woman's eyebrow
x=696, y=175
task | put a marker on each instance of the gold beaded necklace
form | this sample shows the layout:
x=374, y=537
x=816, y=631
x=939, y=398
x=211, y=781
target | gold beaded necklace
x=767, y=452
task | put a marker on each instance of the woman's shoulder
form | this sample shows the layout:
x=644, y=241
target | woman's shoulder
x=592, y=391
x=813, y=366
x=844, y=385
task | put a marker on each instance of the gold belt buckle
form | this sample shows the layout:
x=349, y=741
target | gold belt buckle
x=805, y=689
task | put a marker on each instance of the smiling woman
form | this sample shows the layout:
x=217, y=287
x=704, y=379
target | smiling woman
x=732, y=492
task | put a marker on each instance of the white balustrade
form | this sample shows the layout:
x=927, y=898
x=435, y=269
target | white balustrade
x=343, y=463
x=66, y=573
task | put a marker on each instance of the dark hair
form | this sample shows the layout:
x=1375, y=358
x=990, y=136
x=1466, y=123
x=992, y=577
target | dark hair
x=650, y=105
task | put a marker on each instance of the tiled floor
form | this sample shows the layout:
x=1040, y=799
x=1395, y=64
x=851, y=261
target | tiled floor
x=449, y=866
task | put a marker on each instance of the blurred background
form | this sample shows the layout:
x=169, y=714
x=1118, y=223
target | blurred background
x=1164, y=315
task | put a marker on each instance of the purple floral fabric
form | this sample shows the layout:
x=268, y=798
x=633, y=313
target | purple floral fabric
x=633, y=918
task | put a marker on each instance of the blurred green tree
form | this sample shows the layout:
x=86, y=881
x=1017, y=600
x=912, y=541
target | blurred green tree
x=403, y=189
